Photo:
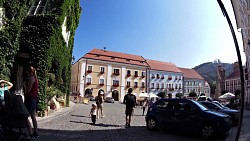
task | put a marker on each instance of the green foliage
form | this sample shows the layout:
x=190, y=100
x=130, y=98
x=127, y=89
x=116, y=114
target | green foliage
x=192, y=94
x=179, y=95
x=162, y=94
x=53, y=91
x=41, y=37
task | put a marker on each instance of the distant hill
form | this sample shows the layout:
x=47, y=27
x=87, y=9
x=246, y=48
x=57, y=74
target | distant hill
x=208, y=70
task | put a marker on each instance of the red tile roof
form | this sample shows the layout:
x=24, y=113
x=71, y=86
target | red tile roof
x=190, y=73
x=162, y=66
x=118, y=57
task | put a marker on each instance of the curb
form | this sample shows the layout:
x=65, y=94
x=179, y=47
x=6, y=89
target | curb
x=57, y=114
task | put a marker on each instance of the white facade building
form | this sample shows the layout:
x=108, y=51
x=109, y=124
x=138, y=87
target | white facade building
x=164, y=77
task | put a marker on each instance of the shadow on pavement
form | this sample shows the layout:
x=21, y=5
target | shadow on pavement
x=139, y=133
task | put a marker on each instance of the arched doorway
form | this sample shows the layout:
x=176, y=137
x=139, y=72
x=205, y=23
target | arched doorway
x=115, y=95
x=88, y=92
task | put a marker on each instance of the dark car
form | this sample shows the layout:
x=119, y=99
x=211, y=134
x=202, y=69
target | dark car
x=109, y=100
x=234, y=114
x=188, y=116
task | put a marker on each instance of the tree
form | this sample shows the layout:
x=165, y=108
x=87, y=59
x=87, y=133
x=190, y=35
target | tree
x=179, y=95
x=162, y=94
x=192, y=94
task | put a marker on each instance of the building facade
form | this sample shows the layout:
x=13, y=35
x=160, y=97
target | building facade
x=242, y=15
x=193, y=82
x=164, y=77
x=109, y=71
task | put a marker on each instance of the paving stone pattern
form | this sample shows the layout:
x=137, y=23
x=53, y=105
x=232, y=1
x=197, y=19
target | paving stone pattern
x=76, y=126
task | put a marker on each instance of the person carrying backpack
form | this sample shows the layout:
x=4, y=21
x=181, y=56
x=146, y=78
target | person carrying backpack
x=130, y=101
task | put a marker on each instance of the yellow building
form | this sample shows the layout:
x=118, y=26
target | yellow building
x=112, y=72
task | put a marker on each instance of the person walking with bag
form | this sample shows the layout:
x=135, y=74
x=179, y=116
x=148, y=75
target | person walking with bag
x=99, y=103
x=130, y=101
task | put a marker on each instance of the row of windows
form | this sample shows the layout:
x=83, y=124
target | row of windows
x=162, y=76
x=157, y=85
x=116, y=71
x=116, y=82
x=192, y=83
x=191, y=90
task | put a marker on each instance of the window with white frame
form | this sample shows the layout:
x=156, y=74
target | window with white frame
x=143, y=84
x=128, y=83
x=135, y=84
x=152, y=85
x=162, y=85
x=136, y=73
x=128, y=72
x=101, y=81
x=143, y=74
x=116, y=82
x=102, y=69
x=90, y=68
x=116, y=71
x=89, y=80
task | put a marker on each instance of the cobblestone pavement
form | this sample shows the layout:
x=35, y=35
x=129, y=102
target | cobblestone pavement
x=76, y=126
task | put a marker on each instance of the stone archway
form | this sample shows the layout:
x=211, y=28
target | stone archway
x=115, y=95
x=88, y=92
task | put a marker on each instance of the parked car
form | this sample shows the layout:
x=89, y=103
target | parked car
x=188, y=116
x=109, y=100
x=234, y=114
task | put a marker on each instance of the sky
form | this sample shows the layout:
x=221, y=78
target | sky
x=184, y=32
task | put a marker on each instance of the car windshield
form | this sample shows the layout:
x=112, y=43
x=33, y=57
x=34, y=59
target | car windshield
x=203, y=108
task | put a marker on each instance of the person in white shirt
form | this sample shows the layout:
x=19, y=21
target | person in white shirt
x=93, y=113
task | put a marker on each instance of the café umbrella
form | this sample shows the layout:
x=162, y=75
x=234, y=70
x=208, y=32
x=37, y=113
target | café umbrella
x=227, y=96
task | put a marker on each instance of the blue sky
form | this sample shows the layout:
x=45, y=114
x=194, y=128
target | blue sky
x=184, y=32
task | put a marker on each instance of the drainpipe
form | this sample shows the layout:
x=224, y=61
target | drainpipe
x=224, y=11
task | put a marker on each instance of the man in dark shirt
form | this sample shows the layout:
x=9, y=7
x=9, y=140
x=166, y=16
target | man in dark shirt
x=129, y=100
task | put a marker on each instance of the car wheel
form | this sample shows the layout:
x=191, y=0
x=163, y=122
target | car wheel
x=152, y=124
x=207, y=131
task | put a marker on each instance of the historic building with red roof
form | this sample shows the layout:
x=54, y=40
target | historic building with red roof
x=193, y=82
x=164, y=77
x=112, y=72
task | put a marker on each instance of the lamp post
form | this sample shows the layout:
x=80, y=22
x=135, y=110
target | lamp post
x=224, y=11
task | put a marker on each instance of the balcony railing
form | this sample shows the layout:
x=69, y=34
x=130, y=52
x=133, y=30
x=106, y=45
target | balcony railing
x=89, y=71
x=143, y=76
x=135, y=86
x=136, y=75
x=101, y=84
x=88, y=83
x=128, y=75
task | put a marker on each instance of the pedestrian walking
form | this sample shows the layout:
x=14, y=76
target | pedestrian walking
x=31, y=99
x=99, y=103
x=130, y=101
x=93, y=113
x=144, y=106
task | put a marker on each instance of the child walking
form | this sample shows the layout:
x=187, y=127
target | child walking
x=93, y=112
